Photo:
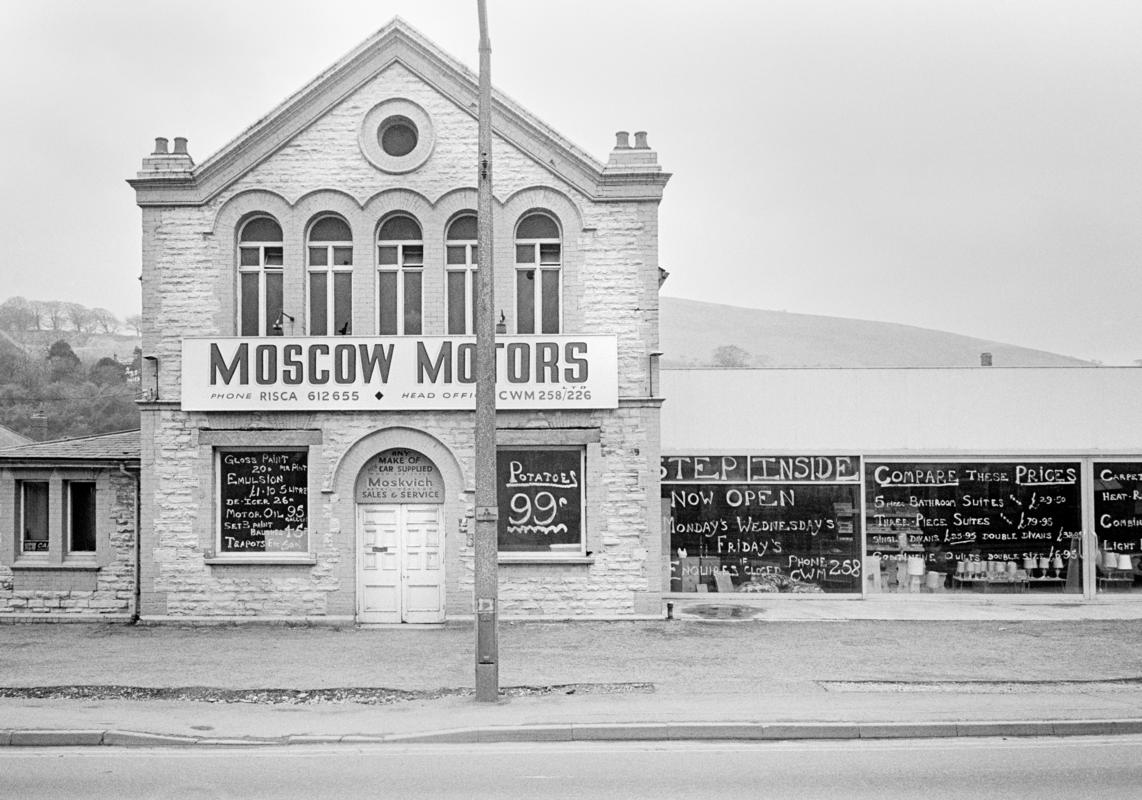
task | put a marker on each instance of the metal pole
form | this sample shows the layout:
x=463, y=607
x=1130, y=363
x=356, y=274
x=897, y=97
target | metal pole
x=486, y=589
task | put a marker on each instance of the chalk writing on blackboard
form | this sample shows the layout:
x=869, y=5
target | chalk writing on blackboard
x=1118, y=506
x=975, y=511
x=763, y=524
x=264, y=503
x=540, y=498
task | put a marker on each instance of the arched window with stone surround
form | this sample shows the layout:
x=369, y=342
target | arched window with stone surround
x=400, y=268
x=460, y=261
x=538, y=263
x=329, y=262
x=261, y=261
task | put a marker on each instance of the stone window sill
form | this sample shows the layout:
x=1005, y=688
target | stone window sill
x=532, y=560
x=77, y=566
x=307, y=560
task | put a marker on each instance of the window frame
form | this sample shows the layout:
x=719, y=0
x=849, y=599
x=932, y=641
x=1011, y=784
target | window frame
x=402, y=270
x=469, y=269
x=22, y=528
x=69, y=519
x=330, y=270
x=263, y=270
x=537, y=265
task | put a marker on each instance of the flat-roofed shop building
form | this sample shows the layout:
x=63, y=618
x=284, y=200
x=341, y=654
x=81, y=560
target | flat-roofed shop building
x=308, y=298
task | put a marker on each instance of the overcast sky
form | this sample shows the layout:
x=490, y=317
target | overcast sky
x=968, y=166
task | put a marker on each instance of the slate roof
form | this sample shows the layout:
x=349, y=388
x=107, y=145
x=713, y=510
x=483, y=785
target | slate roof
x=9, y=438
x=122, y=446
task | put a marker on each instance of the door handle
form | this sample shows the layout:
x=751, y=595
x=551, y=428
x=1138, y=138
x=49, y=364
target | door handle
x=380, y=549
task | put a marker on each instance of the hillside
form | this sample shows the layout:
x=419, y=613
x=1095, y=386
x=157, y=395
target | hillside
x=692, y=331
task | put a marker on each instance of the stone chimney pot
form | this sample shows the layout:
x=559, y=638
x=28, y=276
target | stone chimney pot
x=160, y=146
x=639, y=141
x=180, y=146
x=622, y=140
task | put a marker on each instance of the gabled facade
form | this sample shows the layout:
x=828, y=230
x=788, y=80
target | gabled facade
x=308, y=418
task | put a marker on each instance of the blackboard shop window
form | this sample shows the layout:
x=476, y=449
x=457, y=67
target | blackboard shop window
x=974, y=526
x=540, y=491
x=1118, y=525
x=763, y=524
x=262, y=501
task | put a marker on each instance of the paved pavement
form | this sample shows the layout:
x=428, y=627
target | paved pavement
x=782, y=670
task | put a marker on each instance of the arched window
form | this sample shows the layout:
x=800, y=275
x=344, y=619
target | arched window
x=538, y=259
x=329, y=259
x=260, y=263
x=460, y=258
x=400, y=264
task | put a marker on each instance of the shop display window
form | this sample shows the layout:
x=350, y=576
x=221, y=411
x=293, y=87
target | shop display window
x=540, y=492
x=263, y=507
x=973, y=526
x=1118, y=526
x=762, y=524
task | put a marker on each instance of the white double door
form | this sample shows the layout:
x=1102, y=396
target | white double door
x=400, y=563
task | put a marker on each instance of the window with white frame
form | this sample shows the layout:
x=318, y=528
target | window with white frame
x=80, y=517
x=461, y=260
x=33, y=516
x=539, y=258
x=400, y=268
x=329, y=260
x=261, y=260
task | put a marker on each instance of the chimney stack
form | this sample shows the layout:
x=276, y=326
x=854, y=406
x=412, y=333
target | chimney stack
x=985, y=359
x=627, y=159
x=167, y=164
x=39, y=426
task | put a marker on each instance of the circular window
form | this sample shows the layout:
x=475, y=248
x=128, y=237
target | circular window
x=398, y=136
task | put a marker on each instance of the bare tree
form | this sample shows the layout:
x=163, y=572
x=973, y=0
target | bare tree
x=16, y=315
x=135, y=323
x=80, y=316
x=55, y=313
x=106, y=321
x=730, y=355
x=39, y=311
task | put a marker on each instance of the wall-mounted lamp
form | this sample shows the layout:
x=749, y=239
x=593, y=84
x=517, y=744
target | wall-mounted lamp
x=277, y=326
x=502, y=325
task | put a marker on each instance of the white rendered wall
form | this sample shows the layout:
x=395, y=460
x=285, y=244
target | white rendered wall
x=980, y=410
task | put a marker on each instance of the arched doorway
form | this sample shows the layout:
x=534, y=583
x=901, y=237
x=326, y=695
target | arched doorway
x=400, y=539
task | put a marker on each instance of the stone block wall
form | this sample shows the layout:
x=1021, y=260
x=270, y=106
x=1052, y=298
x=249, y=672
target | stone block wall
x=59, y=586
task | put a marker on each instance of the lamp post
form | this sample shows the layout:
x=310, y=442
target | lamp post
x=486, y=589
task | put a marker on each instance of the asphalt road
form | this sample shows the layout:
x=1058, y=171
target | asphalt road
x=1044, y=769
